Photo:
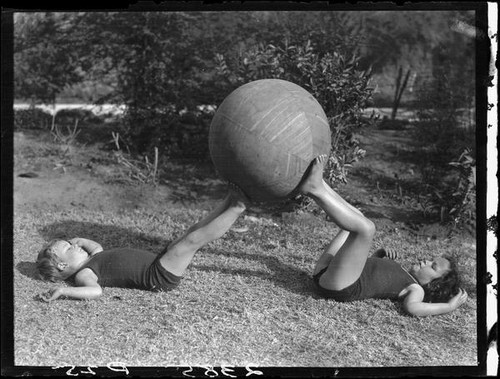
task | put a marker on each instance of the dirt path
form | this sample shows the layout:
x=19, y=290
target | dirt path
x=372, y=181
x=85, y=177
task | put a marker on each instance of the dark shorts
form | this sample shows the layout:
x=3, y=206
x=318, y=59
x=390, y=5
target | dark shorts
x=350, y=293
x=160, y=279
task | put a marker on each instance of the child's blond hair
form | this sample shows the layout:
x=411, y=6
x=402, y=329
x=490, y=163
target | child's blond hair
x=46, y=262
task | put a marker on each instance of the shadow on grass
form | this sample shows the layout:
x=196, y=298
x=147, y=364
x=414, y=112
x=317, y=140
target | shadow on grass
x=289, y=277
x=28, y=269
x=395, y=214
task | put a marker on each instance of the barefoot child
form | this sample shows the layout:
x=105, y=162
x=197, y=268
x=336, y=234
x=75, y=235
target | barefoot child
x=92, y=268
x=344, y=271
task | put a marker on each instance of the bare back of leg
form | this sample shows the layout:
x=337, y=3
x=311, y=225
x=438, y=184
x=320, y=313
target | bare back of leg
x=330, y=251
x=348, y=262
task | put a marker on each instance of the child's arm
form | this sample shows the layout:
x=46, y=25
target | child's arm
x=91, y=247
x=414, y=305
x=87, y=288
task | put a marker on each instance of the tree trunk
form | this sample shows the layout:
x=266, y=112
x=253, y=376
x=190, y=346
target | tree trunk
x=400, y=87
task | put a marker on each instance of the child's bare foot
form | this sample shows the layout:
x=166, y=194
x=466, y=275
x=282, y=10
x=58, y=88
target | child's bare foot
x=313, y=181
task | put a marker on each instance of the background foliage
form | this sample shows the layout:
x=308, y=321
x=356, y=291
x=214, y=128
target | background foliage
x=171, y=69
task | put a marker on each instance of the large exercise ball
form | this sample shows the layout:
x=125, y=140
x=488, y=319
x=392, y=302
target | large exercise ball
x=264, y=136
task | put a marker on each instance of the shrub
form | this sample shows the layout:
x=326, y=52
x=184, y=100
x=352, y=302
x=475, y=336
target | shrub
x=463, y=199
x=145, y=128
x=454, y=195
x=155, y=62
x=32, y=118
x=180, y=135
x=69, y=116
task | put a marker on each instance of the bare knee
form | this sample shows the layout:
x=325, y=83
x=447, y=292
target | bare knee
x=367, y=228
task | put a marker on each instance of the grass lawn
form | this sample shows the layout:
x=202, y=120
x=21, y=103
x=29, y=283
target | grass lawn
x=247, y=299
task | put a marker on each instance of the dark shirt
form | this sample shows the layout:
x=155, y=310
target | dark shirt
x=381, y=278
x=131, y=268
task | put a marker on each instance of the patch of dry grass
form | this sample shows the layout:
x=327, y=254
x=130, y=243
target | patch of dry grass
x=246, y=299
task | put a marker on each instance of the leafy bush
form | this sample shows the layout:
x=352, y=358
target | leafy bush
x=46, y=56
x=69, y=116
x=155, y=58
x=333, y=79
x=143, y=128
x=32, y=118
x=177, y=135
x=463, y=199
x=453, y=197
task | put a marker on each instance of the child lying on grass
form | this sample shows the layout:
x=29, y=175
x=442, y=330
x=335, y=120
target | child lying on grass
x=92, y=268
x=344, y=271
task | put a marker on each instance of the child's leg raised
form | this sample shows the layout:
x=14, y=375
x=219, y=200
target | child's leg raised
x=334, y=246
x=180, y=252
x=348, y=262
x=330, y=251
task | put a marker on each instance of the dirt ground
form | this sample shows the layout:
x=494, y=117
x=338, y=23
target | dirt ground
x=48, y=174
